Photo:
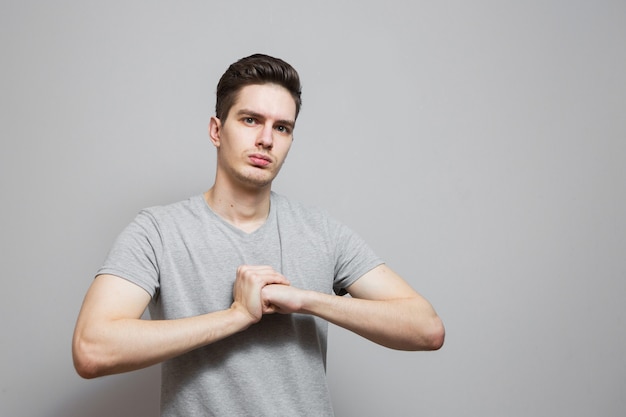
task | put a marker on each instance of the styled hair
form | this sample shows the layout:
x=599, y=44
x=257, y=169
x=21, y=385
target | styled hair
x=255, y=70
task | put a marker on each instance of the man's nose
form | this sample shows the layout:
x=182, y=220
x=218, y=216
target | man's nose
x=266, y=137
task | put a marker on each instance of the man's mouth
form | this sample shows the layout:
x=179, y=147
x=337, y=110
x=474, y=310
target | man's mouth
x=260, y=160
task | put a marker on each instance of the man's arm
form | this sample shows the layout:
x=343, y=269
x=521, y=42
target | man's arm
x=383, y=308
x=110, y=336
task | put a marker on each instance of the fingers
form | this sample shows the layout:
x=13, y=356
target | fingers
x=261, y=274
x=249, y=282
x=281, y=299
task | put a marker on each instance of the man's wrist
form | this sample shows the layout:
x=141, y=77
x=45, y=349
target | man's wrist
x=241, y=317
x=311, y=301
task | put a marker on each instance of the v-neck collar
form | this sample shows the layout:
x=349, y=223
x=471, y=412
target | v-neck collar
x=268, y=223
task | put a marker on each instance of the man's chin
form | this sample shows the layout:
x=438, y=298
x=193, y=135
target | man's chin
x=257, y=181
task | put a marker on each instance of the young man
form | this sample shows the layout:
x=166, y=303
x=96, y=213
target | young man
x=239, y=280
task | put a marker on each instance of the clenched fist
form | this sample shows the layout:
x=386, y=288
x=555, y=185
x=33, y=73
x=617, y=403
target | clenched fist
x=282, y=299
x=249, y=282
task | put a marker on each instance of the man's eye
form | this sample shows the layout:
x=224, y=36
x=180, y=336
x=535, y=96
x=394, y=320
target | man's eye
x=249, y=120
x=283, y=129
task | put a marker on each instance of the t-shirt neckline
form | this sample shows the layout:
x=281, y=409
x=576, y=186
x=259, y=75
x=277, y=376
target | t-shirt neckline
x=269, y=221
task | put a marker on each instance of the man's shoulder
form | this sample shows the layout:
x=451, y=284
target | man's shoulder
x=182, y=205
x=288, y=205
x=180, y=210
x=304, y=218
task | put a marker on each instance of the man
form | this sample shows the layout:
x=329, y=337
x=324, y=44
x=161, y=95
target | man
x=239, y=280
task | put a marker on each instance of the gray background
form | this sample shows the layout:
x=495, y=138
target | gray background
x=480, y=147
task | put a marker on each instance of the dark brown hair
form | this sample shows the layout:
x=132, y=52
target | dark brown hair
x=255, y=69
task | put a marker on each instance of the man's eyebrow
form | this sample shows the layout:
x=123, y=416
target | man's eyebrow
x=252, y=113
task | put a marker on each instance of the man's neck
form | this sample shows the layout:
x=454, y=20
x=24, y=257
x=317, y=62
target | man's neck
x=244, y=209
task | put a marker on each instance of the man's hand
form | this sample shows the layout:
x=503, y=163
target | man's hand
x=282, y=299
x=250, y=281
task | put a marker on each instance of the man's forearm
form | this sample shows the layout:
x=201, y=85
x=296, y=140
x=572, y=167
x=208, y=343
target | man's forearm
x=404, y=324
x=121, y=345
x=111, y=338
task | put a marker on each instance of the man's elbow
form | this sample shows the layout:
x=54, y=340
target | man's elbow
x=432, y=336
x=436, y=335
x=86, y=362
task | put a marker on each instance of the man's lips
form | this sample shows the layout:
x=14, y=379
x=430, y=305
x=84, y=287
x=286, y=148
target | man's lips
x=260, y=160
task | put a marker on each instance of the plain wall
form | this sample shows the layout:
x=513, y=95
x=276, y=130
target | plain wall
x=479, y=147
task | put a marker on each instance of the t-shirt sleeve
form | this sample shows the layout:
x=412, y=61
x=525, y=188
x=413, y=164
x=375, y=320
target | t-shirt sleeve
x=135, y=253
x=353, y=257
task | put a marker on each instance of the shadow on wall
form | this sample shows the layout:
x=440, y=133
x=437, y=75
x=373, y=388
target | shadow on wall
x=128, y=395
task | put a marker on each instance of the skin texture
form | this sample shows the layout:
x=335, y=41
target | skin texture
x=252, y=144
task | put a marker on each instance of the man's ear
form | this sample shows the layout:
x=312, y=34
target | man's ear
x=215, y=128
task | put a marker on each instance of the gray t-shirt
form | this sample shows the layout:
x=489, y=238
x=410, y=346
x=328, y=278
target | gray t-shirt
x=186, y=257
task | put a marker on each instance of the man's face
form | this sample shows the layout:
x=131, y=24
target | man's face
x=254, y=140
